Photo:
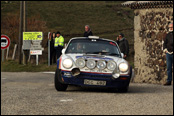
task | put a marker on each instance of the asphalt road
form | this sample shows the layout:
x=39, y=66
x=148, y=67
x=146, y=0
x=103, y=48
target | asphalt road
x=34, y=94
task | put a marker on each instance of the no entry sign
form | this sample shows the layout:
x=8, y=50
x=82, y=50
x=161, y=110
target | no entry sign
x=5, y=41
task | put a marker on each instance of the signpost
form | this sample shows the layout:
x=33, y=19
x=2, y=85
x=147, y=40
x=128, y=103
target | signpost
x=5, y=43
x=32, y=35
x=37, y=53
x=35, y=46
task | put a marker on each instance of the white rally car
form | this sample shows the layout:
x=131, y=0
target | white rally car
x=92, y=61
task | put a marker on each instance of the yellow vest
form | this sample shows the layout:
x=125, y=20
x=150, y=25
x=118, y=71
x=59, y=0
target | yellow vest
x=59, y=41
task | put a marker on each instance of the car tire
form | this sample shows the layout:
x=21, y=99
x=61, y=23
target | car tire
x=58, y=85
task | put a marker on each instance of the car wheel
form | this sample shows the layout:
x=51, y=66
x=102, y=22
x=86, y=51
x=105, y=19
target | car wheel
x=58, y=85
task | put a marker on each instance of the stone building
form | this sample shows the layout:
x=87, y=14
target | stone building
x=151, y=19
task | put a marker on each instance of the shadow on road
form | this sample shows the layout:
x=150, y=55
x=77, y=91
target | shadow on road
x=133, y=88
x=149, y=88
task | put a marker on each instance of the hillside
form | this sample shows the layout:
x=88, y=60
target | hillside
x=106, y=19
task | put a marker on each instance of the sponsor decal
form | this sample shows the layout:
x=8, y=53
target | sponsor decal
x=112, y=43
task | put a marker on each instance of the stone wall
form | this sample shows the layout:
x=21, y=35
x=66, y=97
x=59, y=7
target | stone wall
x=150, y=29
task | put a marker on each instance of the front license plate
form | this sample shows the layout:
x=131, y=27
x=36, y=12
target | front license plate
x=94, y=82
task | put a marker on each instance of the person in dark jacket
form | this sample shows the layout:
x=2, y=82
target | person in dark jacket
x=88, y=31
x=168, y=49
x=52, y=50
x=123, y=45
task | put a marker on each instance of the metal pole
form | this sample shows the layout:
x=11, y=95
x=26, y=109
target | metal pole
x=7, y=53
x=48, y=49
x=20, y=32
x=37, y=59
x=14, y=52
x=3, y=55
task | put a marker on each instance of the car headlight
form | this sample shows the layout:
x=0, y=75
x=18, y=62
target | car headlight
x=67, y=63
x=80, y=63
x=91, y=64
x=111, y=65
x=123, y=67
x=101, y=64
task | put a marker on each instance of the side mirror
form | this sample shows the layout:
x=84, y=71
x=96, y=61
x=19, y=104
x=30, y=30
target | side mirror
x=63, y=51
x=122, y=55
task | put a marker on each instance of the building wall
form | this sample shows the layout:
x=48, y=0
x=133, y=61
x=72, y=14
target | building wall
x=150, y=29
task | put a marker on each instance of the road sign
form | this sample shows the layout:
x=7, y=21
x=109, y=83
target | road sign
x=35, y=52
x=32, y=41
x=26, y=44
x=28, y=37
x=5, y=41
x=32, y=35
x=36, y=45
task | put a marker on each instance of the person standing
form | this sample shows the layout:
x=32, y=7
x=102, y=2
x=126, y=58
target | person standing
x=123, y=45
x=168, y=49
x=88, y=31
x=52, y=50
x=59, y=43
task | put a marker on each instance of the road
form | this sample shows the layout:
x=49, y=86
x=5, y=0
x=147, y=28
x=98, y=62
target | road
x=34, y=94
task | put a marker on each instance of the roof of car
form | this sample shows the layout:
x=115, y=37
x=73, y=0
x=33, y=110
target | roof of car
x=91, y=38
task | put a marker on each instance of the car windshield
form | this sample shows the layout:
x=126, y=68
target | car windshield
x=93, y=46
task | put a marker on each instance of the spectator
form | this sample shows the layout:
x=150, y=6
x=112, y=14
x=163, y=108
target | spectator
x=168, y=49
x=59, y=43
x=123, y=45
x=88, y=31
x=52, y=50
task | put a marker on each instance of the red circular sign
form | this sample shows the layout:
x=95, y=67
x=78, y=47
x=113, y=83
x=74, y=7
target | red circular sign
x=5, y=41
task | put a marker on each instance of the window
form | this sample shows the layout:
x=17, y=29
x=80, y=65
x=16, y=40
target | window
x=88, y=46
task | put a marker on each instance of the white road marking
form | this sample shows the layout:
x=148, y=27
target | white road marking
x=66, y=100
x=3, y=78
x=49, y=72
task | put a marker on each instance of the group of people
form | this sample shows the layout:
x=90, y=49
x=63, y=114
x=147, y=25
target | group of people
x=56, y=46
x=57, y=43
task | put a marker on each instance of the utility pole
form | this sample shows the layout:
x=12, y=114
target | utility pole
x=22, y=28
x=25, y=52
x=24, y=21
x=20, y=31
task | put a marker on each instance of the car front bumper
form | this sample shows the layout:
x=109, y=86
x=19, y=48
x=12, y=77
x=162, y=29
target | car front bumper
x=110, y=82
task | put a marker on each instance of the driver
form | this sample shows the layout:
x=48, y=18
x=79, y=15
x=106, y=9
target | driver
x=79, y=48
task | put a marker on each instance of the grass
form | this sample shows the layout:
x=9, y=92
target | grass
x=14, y=66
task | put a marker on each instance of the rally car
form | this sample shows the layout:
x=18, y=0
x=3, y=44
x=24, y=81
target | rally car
x=92, y=61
